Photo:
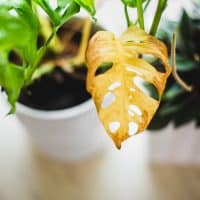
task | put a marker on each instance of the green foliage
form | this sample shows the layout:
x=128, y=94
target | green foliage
x=178, y=105
x=11, y=79
x=19, y=30
x=88, y=5
x=131, y=3
x=141, y=6
x=65, y=9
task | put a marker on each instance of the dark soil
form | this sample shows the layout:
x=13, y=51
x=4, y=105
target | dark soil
x=55, y=91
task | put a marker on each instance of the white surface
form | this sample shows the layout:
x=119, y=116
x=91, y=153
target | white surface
x=175, y=146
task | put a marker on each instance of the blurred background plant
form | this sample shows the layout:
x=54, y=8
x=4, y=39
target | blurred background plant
x=178, y=105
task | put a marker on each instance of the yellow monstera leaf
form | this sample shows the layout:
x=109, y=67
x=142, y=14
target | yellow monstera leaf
x=123, y=107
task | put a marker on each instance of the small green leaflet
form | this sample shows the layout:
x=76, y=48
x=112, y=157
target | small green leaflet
x=65, y=9
x=87, y=5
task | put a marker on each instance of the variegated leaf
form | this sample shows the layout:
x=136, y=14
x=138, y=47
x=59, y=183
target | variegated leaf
x=123, y=107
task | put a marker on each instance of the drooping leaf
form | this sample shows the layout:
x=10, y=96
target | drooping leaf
x=11, y=79
x=122, y=106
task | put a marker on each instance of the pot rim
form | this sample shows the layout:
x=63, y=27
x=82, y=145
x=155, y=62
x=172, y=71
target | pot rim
x=55, y=114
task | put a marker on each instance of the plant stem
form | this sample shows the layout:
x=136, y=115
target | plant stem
x=30, y=70
x=184, y=85
x=159, y=11
x=145, y=7
x=46, y=30
x=140, y=14
x=127, y=15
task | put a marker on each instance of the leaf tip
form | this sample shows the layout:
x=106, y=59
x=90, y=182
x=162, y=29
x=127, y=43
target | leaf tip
x=118, y=145
x=12, y=110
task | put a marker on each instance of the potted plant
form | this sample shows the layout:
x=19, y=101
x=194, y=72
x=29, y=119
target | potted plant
x=58, y=114
x=179, y=107
x=116, y=67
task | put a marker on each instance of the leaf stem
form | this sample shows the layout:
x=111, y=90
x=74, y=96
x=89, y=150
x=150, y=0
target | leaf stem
x=128, y=21
x=30, y=70
x=184, y=85
x=159, y=11
x=145, y=7
x=140, y=14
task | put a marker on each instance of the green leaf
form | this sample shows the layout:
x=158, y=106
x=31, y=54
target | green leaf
x=13, y=31
x=71, y=10
x=185, y=65
x=72, y=7
x=87, y=5
x=19, y=28
x=63, y=3
x=54, y=16
x=65, y=9
x=172, y=92
x=185, y=31
x=131, y=3
x=11, y=79
x=185, y=24
x=169, y=109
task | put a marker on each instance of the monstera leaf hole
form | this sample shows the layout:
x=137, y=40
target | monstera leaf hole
x=15, y=58
x=159, y=65
x=13, y=12
x=146, y=87
x=114, y=126
x=103, y=68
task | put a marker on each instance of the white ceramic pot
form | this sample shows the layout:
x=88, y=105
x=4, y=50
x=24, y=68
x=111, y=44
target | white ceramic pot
x=69, y=135
x=175, y=146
